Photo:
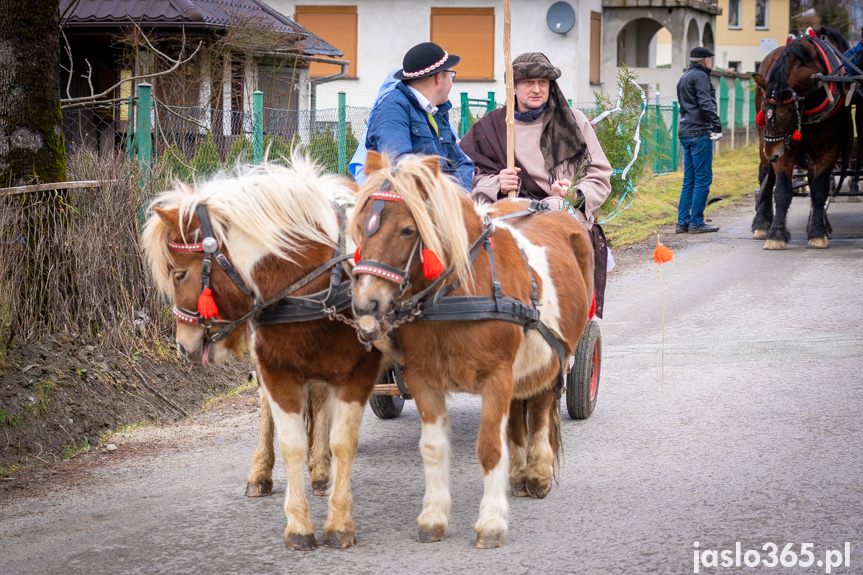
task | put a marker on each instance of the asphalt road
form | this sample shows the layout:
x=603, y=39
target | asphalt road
x=748, y=432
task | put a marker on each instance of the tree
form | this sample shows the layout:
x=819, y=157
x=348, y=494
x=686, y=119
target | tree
x=31, y=135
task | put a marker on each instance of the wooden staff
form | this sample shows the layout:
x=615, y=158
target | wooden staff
x=510, y=92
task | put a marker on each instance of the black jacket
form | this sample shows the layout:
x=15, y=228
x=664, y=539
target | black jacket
x=697, y=98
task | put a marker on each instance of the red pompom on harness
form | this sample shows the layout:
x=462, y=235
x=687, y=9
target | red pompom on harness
x=759, y=119
x=432, y=267
x=207, y=305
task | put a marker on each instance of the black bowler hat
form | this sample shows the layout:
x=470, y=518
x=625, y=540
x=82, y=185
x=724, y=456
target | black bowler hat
x=700, y=52
x=424, y=60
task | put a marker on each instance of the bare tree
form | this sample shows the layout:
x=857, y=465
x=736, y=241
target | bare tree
x=31, y=137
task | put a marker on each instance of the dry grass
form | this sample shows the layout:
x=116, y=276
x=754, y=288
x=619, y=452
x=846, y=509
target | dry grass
x=70, y=261
x=735, y=177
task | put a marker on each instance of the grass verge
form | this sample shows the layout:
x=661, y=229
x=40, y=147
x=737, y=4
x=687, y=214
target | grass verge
x=735, y=177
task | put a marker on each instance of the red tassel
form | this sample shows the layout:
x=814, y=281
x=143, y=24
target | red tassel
x=662, y=254
x=797, y=136
x=432, y=268
x=207, y=305
x=592, y=306
x=759, y=119
x=357, y=255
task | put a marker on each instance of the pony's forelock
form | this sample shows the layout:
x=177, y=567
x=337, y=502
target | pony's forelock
x=280, y=208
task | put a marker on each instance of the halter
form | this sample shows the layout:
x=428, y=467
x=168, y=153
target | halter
x=277, y=309
x=794, y=125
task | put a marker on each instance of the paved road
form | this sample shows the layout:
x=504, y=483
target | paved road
x=753, y=436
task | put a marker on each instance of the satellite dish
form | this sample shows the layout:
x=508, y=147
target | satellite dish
x=560, y=17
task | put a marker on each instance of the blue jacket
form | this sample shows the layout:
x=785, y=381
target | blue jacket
x=855, y=54
x=400, y=126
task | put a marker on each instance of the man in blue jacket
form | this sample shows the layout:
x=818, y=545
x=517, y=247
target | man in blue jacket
x=414, y=117
x=699, y=126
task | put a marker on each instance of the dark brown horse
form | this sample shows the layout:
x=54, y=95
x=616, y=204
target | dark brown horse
x=264, y=250
x=507, y=265
x=802, y=117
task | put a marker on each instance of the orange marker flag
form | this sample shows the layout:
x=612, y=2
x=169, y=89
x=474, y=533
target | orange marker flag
x=661, y=255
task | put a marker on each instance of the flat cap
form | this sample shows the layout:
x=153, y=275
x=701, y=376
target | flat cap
x=700, y=52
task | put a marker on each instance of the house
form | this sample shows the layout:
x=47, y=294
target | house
x=745, y=33
x=239, y=46
x=587, y=39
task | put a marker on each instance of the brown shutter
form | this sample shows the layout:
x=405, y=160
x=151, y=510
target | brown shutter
x=338, y=26
x=595, y=46
x=468, y=32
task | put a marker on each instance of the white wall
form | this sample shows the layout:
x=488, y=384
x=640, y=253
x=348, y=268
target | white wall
x=388, y=28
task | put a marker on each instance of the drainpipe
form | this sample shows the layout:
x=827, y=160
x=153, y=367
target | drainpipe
x=331, y=78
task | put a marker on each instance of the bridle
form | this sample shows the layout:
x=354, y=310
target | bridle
x=323, y=304
x=795, y=124
x=209, y=245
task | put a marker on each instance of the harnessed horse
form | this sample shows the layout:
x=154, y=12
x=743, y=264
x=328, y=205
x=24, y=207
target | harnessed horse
x=276, y=236
x=801, y=115
x=473, y=316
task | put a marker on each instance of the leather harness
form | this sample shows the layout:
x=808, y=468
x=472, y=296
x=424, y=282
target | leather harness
x=280, y=308
x=430, y=303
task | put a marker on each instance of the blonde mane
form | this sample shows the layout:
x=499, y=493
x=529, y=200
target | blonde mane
x=435, y=201
x=281, y=209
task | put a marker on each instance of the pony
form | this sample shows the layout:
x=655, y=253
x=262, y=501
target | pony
x=412, y=224
x=800, y=118
x=277, y=236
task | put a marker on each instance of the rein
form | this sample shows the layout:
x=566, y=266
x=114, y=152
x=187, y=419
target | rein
x=279, y=308
x=430, y=305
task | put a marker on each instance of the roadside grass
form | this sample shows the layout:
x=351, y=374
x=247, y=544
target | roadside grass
x=735, y=177
x=252, y=383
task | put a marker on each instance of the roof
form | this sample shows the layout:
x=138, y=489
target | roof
x=187, y=14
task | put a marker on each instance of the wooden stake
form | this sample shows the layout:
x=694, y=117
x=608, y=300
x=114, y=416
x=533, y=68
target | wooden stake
x=510, y=92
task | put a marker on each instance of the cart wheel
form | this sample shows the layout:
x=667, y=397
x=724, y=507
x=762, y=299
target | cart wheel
x=582, y=379
x=387, y=406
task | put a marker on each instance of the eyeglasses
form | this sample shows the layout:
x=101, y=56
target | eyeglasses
x=451, y=73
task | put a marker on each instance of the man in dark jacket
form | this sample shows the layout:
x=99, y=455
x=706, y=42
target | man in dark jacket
x=414, y=117
x=699, y=126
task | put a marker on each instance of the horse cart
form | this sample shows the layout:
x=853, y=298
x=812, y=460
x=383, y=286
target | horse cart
x=581, y=381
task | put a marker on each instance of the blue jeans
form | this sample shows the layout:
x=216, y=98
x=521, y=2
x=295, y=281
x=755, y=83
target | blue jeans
x=697, y=177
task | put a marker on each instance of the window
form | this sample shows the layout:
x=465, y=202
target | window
x=468, y=32
x=734, y=20
x=595, y=46
x=761, y=15
x=733, y=66
x=338, y=26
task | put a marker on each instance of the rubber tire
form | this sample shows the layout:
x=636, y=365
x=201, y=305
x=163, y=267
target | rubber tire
x=584, y=369
x=387, y=406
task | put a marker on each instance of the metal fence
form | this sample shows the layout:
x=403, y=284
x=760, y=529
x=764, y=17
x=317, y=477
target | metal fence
x=191, y=142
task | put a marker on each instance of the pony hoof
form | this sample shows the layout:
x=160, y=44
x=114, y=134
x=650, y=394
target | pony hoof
x=537, y=490
x=430, y=535
x=774, y=245
x=339, y=540
x=759, y=234
x=320, y=488
x=518, y=490
x=259, y=489
x=297, y=542
x=489, y=540
x=819, y=243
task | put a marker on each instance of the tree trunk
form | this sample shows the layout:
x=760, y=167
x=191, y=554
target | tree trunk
x=31, y=133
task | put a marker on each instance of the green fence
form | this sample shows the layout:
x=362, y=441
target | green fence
x=192, y=142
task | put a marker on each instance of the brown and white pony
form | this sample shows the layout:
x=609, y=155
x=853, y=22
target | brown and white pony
x=423, y=215
x=801, y=116
x=268, y=229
